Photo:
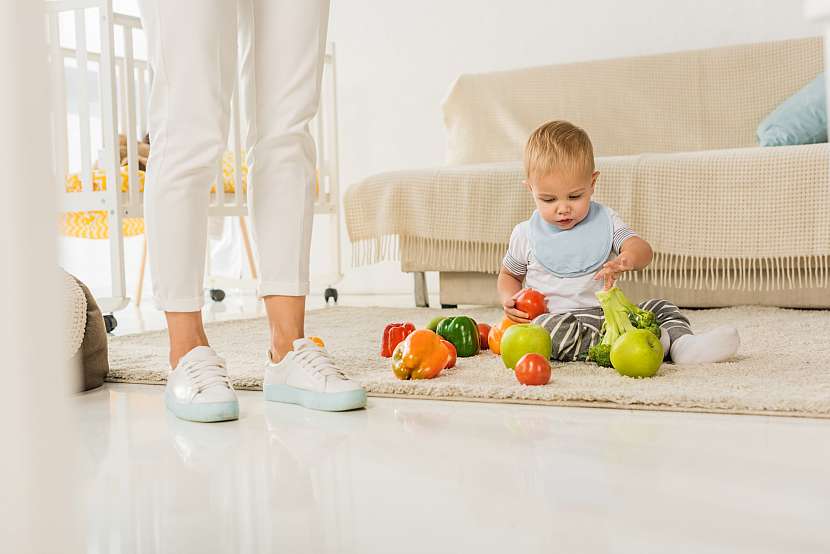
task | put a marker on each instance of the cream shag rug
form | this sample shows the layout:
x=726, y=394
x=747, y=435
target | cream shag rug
x=782, y=368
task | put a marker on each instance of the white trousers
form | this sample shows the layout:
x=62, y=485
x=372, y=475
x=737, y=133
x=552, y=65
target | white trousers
x=193, y=47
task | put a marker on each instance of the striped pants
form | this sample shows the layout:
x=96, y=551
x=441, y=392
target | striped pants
x=573, y=333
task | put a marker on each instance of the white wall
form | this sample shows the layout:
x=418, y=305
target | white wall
x=397, y=58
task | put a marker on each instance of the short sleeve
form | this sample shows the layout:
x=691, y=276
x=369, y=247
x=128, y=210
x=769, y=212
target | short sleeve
x=518, y=251
x=621, y=231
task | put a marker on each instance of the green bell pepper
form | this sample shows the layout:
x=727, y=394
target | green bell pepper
x=462, y=332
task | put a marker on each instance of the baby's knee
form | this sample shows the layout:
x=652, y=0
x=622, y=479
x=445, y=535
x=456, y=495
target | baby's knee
x=551, y=321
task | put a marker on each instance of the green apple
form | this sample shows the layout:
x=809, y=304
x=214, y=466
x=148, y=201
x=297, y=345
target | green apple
x=522, y=339
x=433, y=323
x=637, y=353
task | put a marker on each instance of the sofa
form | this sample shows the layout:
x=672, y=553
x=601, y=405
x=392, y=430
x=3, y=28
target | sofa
x=675, y=138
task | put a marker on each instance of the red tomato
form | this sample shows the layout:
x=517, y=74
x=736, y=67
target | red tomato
x=533, y=369
x=532, y=302
x=483, y=333
x=453, y=354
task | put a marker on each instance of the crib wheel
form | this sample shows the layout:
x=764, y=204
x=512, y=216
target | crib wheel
x=330, y=293
x=217, y=295
x=110, y=323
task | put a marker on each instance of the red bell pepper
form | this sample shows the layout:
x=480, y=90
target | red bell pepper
x=483, y=333
x=452, y=351
x=421, y=355
x=393, y=334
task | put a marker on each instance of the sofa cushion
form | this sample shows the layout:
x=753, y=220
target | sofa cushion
x=676, y=102
x=800, y=119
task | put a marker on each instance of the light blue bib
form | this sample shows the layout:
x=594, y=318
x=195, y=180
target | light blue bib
x=572, y=252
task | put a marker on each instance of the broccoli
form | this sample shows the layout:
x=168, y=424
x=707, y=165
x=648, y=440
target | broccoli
x=621, y=316
x=640, y=318
x=601, y=351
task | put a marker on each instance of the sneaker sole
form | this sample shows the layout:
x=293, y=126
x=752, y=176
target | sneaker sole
x=323, y=401
x=208, y=412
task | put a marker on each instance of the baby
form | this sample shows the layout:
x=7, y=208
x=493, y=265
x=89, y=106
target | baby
x=572, y=247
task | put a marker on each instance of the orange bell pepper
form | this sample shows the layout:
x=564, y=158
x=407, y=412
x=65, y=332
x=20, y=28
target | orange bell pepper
x=496, y=332
x=421, y=355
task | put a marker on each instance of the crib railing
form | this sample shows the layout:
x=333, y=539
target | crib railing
x=124, y=83
x=109, y=200
x=133, y=78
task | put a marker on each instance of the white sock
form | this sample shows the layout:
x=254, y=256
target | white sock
x=717, y=345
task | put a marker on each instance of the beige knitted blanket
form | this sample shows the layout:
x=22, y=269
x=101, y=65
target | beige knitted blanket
x=748, y=218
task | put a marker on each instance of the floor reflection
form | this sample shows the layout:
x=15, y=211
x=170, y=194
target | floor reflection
x=418, y=476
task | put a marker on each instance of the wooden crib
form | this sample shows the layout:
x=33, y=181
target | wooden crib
x=100, y=47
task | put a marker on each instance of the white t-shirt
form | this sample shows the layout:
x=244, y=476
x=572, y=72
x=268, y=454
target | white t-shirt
x=564, y=294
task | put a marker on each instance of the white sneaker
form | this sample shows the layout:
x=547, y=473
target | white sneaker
x=309, y=377
x=199, y=388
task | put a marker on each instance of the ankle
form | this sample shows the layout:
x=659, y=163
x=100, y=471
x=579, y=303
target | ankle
x=186, y=332
x=182, y=347
x=282, y=342
x=279, y=349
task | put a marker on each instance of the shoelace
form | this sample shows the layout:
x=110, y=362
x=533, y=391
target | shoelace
x=318, y=361
x=206, y=373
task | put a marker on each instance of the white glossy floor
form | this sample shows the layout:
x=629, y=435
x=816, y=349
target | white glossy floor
x=415, y=476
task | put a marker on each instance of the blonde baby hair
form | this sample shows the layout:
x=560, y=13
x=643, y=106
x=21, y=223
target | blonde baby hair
x=558, y=146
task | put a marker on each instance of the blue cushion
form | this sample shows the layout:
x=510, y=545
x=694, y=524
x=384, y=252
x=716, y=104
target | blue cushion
x=800, y=119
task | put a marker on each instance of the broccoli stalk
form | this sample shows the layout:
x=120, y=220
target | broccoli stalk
x=621, y=316
x=617, y=323
x=640, y=318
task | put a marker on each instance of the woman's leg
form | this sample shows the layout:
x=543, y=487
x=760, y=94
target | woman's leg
x=288, y=41
x=192, y=51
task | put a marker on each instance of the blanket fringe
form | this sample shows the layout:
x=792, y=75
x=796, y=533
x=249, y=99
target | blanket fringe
x=666, y=269
x=744, y=274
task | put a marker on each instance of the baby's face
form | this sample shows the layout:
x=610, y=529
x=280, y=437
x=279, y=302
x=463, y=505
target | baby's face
x=562, y=198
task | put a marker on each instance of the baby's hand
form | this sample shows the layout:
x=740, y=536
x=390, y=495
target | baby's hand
x=611, y=270
x=512, y=313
